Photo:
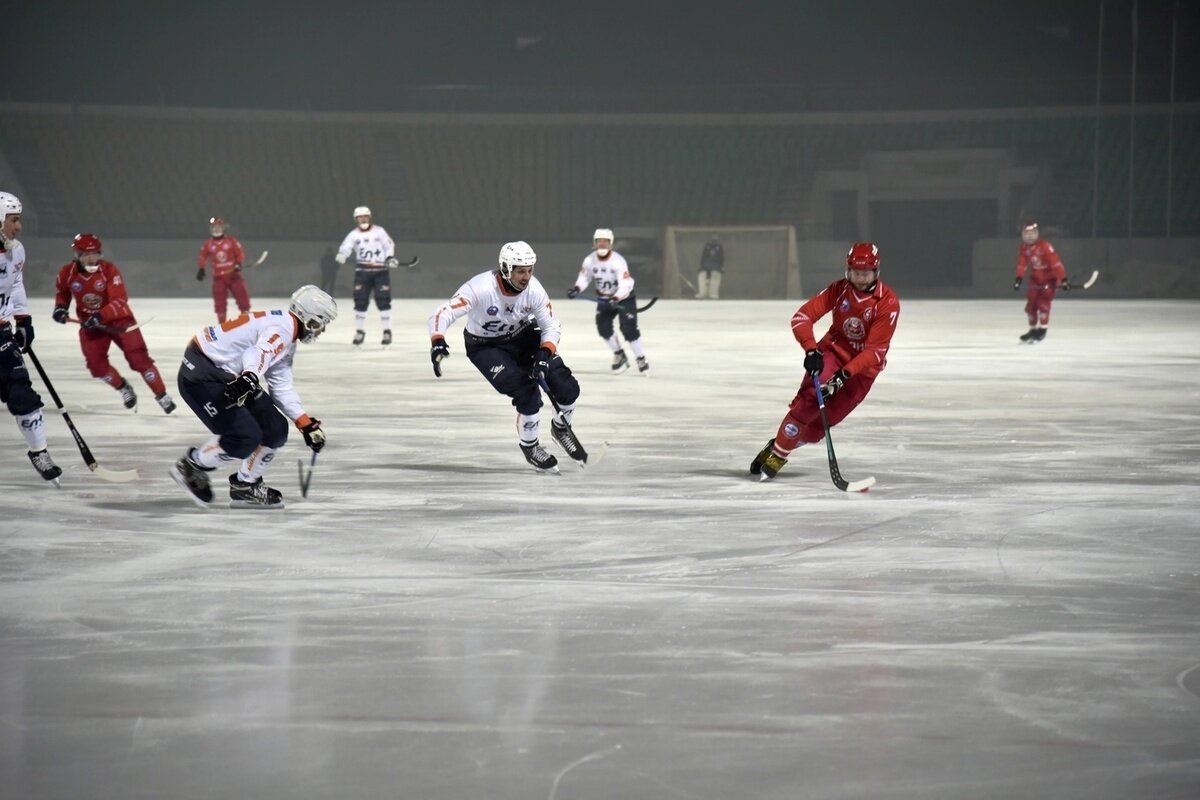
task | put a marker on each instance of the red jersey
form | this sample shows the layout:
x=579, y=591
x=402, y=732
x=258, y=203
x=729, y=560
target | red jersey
x=225, y=252
x=863, y=324
x=102, y=291
x=1045, y=267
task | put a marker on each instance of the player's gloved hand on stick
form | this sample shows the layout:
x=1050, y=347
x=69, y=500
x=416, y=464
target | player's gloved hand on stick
x=200, y=274
x=814, y=361
x=314, y=437
x=541, y=364
x=1016, y=284
x=572, y=293
x=1065, y=285
x=836, y=381
x=339, y=258
x=60, y=315
x=237, y=267
x=392, y=262
x=241, y=389
x=93, y=322
x=24, y=333
x=439, y=352
x=607, y=303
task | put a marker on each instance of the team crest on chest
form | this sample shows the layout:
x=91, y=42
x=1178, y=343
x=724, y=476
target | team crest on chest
x=854, y=329
x=92, y=301
x=492, y=311
x=845, y=305
x=76, y=286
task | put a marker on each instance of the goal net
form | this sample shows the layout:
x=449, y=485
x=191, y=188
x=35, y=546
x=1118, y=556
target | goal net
x=760, y=260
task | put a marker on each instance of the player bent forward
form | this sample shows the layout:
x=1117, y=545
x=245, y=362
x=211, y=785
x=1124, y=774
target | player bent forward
x=222, y=380
x=512, y=338
x=847, y=359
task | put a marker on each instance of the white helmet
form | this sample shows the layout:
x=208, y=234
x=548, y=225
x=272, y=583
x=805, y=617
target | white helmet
x=603, y=233
x=315, y=309
x=516, y=254
x=1029, y=233
x=361, y=211
x=9, y=204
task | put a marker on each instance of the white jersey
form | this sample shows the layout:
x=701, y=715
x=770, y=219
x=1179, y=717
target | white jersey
x=493, y=312
x=371, y=248
x=12, y=283
x=611, y=275
x=262, y=342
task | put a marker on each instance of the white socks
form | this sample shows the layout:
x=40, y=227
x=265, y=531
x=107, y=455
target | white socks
x=33, y=428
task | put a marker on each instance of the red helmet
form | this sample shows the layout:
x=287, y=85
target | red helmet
x=216, y=221
x=86, y=243
x=1029, y=232
x=863, y=255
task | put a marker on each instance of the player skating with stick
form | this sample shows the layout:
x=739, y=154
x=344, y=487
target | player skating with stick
x=846, y=360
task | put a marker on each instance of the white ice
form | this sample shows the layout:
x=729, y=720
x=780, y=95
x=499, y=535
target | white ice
x=1012, y=611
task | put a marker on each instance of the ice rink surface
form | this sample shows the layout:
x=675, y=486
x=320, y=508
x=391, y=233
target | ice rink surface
x=1012, y=612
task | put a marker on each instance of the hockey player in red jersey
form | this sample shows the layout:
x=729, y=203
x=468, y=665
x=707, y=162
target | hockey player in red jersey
x=227, y=256
x=1046, y=276
x=847, y=358
x=102, y=305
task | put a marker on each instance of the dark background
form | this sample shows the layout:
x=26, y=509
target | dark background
x=619, y=56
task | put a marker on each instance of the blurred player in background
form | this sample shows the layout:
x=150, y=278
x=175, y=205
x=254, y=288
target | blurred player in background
x=374, y=254
x=1046, y=276
x=614, y=286
x=712, y=267
x=16, y=335
x=512, y=338
x=847, y=359
x=102, y=306
x=237, y=378
x=227, y=257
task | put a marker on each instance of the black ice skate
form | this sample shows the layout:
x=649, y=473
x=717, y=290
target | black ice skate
x=620, y=362
x=1030, y=336
x=128, y=397
x=359, y=338
x=254, y=494
x=164, y=400
x=45, y=465
x=387, y=339
x=756, y=464
x=1041, y=334
x=194, y=478
x=567, y=441
x=536, y=455
x=643, y=364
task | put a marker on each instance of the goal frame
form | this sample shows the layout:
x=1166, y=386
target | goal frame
x=676, y=282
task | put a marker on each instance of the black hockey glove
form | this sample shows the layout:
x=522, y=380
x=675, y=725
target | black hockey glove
x=60, y=315
x=541, y=364
x=23, y=333
x=241, y=389
x=1065, y=285
x=237, y=267
x=572, y=293
x=836, y=381
x=1016, y=284
x=200, y=274
x=93, y=322
x=814, y=361
x=438, y=353
x=314, y=437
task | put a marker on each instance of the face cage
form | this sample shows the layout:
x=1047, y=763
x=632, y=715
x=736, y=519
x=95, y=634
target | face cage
x=312, y=329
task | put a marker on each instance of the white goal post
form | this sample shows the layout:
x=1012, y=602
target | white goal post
x=761, y=261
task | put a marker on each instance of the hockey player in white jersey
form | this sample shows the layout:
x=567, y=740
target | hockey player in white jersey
x=512, y=338
x=374, y=254
x=614, y=286
x=237, y=378
x=16, y=334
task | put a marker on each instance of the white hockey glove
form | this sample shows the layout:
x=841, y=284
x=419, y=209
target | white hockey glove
x=339, y=258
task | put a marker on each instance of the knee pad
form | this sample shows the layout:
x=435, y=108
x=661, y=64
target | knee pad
x=21, y=399
x=604, y=325
x=562, y=383
x=629, y=327
x=528, y=399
